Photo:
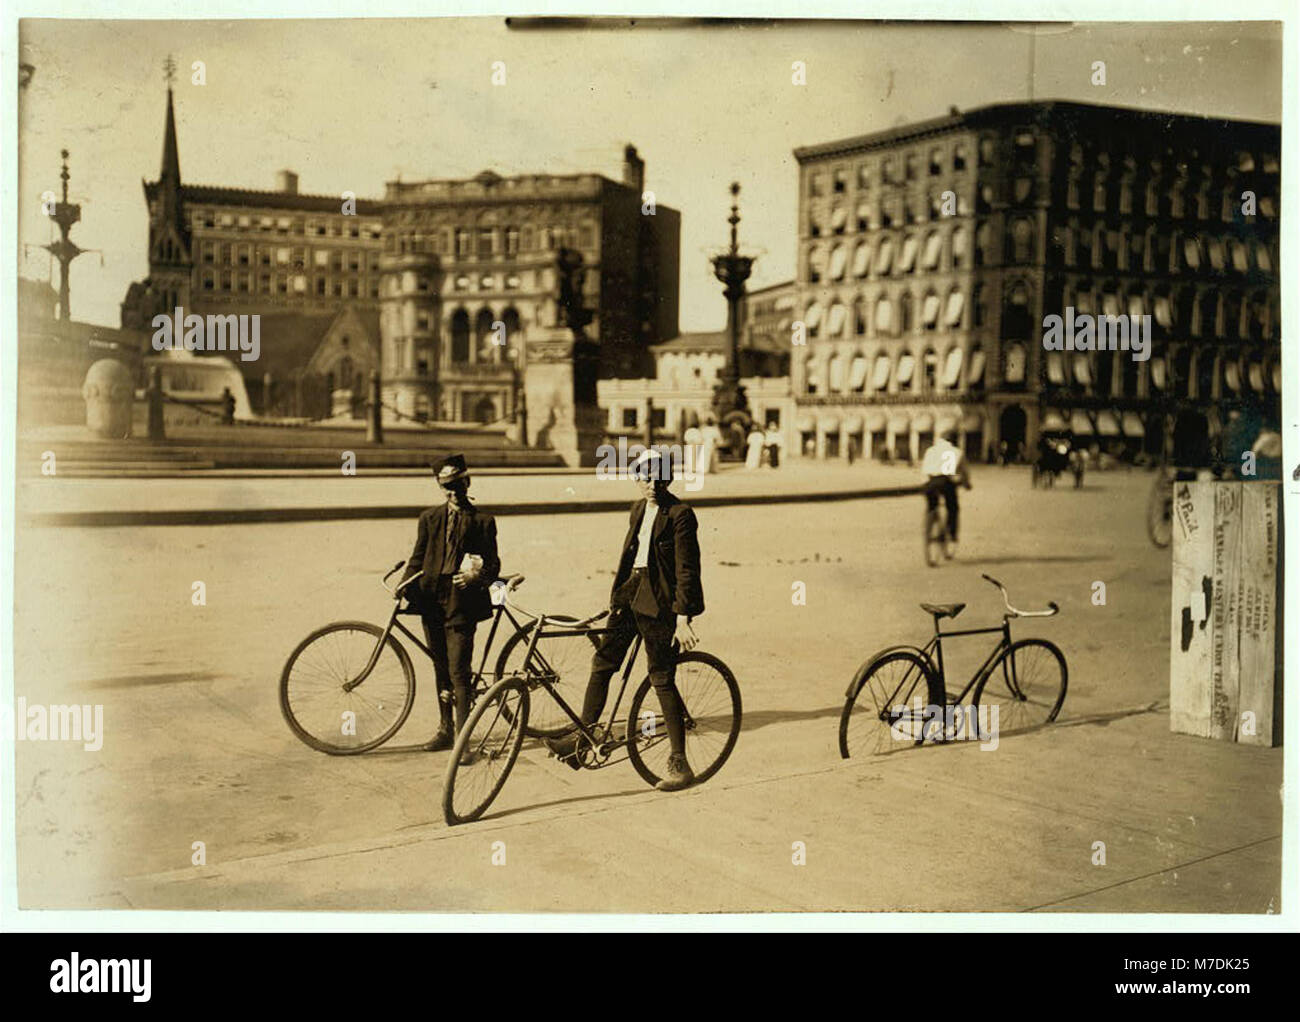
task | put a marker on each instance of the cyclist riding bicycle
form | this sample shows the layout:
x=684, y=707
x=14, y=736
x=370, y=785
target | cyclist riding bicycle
x=944, y=466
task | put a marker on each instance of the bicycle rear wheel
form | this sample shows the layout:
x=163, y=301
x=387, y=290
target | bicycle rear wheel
x=485, y=751
x=1023, y=688
x=936, y=537
x=711, y=703
x=892, y=704
x=563, y=660
x=320, y=707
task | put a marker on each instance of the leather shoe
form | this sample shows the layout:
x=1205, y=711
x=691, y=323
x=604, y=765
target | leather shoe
x=443, y=740
x=566, y=750
x=678, y=776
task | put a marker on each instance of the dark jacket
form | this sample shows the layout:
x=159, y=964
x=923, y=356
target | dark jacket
x=476, y=533
x=674, y=563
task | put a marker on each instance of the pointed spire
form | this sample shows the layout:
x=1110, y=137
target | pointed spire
x=171, y=160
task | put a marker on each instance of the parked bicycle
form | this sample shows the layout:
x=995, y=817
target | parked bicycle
x=898, y=698
x=552, y=656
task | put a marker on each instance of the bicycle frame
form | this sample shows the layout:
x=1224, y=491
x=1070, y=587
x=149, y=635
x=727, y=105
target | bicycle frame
x=933, y=651
x=539, y=630
x=394, y=623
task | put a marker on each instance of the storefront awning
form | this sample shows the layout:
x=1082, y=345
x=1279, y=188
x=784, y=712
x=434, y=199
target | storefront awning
x=924, y=422
x=828, y=422
x=908, y=259
x=1232, y=375
x=976, y=373
x=884, y=256
x=1082, y=369
x=875, y=420
x=835, y=374
x=1159, y=372
x=1107, y=423
x=1132, y=425
x=835, y=323
x=1055, y=367
x=853, y=423
x=930, y=309
x=858, y=372
x=1080, y=424
x=930, y=257
x=945, y=421
x=839, y=259
x=906, y=365
x=861, y=259
x=805, y=423
x=952, y=368
x=1256, y=374
x=880, y=374
x=972, y=421
x=956, y=304
x=900, y=422
x=1053, y=422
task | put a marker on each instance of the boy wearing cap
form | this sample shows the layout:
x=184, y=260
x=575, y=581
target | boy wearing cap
x=453, y=599
x=656, y=592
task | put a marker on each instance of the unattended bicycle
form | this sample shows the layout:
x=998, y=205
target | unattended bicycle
x=551, y=656
x=898, y=698
x=349, y=686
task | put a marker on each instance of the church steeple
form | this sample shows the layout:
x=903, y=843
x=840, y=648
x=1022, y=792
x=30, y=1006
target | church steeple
x=169, y=176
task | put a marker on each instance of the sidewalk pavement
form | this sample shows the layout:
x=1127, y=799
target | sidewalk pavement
x=951, y=829
x=246, y=498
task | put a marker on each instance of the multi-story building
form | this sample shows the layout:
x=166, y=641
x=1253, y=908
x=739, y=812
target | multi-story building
x=688, y=367
x=437, y=285
x=929, y=255
x=487, y=250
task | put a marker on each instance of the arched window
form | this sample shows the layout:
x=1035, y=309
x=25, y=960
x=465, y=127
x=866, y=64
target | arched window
x=483, y=335
x=460, y=336
x=1015, y=313
x=514, y=339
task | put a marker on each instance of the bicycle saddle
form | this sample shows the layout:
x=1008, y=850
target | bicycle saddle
x=943, y=609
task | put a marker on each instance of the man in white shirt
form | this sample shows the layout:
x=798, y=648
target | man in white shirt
x=944, y=468
x=657, y=594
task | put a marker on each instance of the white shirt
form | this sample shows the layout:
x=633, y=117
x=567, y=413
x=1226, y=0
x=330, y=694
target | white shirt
x=942, y=459
x=643, y=537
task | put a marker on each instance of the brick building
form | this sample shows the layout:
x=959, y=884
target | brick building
x=929, y=254
x=425, y=284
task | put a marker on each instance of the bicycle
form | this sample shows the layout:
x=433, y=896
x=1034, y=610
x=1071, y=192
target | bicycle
x=938, y=544
x=934, y=525
x=1026, y=680
x=490, y=742
x=340, y=694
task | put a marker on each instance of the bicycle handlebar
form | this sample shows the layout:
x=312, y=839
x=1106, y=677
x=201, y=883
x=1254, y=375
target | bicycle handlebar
x=1015, y=612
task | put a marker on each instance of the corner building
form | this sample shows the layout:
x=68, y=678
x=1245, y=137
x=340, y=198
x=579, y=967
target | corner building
x=930, y=253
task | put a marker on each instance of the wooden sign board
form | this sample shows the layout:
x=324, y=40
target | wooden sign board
x=1225, y=677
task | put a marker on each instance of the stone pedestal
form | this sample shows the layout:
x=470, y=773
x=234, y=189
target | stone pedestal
x=560, y=392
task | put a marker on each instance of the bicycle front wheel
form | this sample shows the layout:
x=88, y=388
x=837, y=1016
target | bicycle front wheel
x=711, y=706
x=892, y=704
x=485, y=751
x=563, y=660
x=320, y=701
x=1023, y=688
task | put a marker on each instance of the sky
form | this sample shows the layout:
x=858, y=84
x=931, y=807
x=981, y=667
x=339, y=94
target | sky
x=351, y=104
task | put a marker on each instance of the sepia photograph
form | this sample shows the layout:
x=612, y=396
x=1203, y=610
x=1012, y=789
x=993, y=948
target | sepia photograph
x=648, y=466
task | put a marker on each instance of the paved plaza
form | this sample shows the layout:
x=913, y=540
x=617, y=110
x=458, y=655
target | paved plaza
x=195, y=748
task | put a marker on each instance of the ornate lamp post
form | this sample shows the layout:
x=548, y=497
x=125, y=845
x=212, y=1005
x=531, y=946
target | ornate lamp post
x=733, y=269
x=64, y=214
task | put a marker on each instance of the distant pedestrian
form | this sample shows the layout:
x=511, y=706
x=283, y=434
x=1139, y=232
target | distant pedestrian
x=227, y=407
x=774, y=442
